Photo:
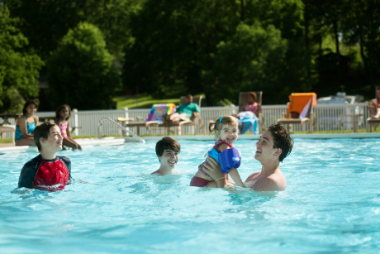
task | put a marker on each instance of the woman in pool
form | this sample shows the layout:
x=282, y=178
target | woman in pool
x=272, y=148
x=62, y=118
x=26, y=124
x=226, y=133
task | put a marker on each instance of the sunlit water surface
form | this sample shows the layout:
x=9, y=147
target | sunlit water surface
x=331, y=204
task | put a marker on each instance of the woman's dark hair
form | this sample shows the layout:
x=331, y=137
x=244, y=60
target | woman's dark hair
x=281, y=139
x=253, y=94
x=59, y=109
x=218, y=125
x=27, y=104
x=167, y=143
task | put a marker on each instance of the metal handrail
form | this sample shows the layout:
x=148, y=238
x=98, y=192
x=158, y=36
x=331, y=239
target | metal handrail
x=118, y=125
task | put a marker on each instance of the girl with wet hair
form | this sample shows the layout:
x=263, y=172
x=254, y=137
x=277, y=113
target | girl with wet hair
x=226, y=133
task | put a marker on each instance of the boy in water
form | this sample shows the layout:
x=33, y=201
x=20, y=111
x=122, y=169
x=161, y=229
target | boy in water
x=167, y=150
x=47, y=171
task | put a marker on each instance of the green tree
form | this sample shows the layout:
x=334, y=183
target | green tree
x=19, y=69
x=176, y=44
x=45, y=22
x=81, y=71
x=255, y=58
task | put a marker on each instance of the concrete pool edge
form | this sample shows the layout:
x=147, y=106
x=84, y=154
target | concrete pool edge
x=256, y=137
x=120, y=141
x=82, y=142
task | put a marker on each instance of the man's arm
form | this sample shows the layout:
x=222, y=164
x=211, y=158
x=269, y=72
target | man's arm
x=212, y=168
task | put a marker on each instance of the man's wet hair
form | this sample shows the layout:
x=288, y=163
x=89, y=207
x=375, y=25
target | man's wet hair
x=42, y=131
x=167, y=143
x=281, y=139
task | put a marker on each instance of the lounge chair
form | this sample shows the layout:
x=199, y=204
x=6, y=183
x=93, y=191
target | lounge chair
x=373, y=119
x=300, y=110
x=8, y=128
x=194, y=121
x=154, y=118
x=243, y=100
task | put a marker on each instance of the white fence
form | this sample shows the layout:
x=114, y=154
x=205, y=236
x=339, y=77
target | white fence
x=327, y=118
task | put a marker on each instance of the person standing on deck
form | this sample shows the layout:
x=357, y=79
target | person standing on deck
x=272, y=148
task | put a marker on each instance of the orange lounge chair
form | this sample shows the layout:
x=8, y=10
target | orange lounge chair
x=300, y=110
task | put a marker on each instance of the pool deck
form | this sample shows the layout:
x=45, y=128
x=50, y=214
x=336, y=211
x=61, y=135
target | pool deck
x=83, y=142
x=256, y=137
x=4, y=148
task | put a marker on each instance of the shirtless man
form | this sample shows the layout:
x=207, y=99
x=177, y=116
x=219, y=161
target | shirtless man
x=272, y=148
x=167, y=151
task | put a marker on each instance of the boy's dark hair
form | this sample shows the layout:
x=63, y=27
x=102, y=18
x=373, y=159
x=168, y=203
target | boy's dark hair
x=281, y=139
x=57, y=116
x=42, y=131
x=29, y=102
x=167, y=143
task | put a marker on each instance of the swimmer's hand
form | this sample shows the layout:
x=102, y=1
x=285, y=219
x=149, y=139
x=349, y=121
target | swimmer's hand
x=22, y=191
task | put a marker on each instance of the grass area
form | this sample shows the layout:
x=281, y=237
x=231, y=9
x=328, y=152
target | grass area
x=144, y=101
x=5, y=140
x=141, y=101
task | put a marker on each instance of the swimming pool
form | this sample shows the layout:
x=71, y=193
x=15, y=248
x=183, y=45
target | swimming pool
x=331, y=204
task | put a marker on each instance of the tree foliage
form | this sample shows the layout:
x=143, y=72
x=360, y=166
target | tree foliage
x=81, y=71
x=184, y=44
x=19, y=69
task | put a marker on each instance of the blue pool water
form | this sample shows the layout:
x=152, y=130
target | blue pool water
x=331, y=204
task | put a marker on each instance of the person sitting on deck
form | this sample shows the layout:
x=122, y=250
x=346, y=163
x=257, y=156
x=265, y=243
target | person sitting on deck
x=167, y=151
x=375, y=105
x=62, y=119
x=185, y=112
x=248, y=115
x=47, y=171
x=25, y=124
x=272, y=148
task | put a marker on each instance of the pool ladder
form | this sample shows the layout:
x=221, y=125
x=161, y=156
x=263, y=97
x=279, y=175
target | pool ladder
x=119, y=126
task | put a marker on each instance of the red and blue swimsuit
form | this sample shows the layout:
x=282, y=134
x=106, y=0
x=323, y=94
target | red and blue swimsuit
x=51, y=175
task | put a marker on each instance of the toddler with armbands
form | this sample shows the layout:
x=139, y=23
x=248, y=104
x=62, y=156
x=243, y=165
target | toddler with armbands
x=226, y=133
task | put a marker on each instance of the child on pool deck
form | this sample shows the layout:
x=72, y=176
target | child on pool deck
x=226, y=131
x=62, y=118
x=167, y=151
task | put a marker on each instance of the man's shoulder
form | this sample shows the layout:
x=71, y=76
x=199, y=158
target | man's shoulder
x=271, y=183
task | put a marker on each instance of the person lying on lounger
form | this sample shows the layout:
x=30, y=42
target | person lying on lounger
x=185, y=112
x=167, y=151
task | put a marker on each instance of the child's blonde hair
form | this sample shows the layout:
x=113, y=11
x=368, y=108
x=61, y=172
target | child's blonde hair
x=218, y=124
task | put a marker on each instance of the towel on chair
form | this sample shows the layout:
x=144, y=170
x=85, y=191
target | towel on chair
x=246, y=121
x=159, y=110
